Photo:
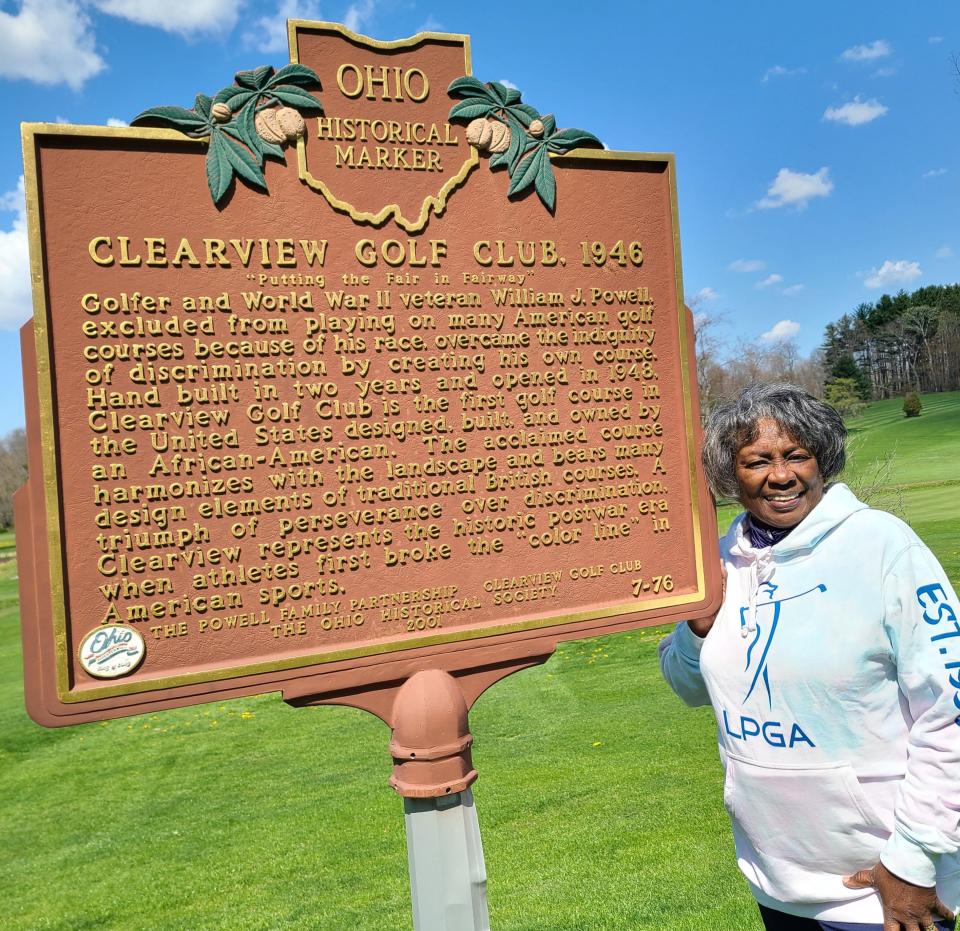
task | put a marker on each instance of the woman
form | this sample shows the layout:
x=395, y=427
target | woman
x=833, y=667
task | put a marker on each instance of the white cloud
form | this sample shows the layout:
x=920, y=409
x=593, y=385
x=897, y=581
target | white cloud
x=944, y=252
x=935, y=40
x=358, y=14
x=782, y=329
x=769, y=280
x=49, y=42
x=431, y=24
x=62, y=120
x=890, y=273
x=794, y=289
x=746, y=265
x=856, y=112
x=269, y=33
x=873, y=51
x=884, y=73
x=509, y=84
x=796, y=189
x=180, y=16
x=16, y=303
x=934, y=173
x=778, y=71
x=15, y=201
x=704, y=294
x=116, y=121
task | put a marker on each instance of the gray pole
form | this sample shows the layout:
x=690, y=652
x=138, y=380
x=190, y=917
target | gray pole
x=448, y=880
x=433, y=772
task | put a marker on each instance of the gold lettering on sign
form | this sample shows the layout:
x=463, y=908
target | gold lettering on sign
x=275, y=457
x=382, y=83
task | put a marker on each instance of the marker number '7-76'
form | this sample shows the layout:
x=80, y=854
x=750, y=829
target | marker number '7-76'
x=654, y=584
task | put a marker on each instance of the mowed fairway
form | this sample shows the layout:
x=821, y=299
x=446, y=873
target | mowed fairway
x=599, y=793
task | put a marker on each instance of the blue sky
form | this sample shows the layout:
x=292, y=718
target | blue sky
x=816, y=143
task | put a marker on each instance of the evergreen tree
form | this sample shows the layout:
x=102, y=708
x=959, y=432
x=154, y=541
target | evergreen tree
x=842, y=395
x=846, y=368
x=911, y=404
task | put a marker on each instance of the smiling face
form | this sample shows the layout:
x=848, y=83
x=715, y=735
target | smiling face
x=779, y=480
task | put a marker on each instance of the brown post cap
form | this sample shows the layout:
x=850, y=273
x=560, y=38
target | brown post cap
x=431, y=737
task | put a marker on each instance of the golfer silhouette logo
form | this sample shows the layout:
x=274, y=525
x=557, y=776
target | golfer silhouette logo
x=765, y=632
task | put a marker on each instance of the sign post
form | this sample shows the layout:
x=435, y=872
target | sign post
x=363, y=381
x=448, y=880
x=433, y=771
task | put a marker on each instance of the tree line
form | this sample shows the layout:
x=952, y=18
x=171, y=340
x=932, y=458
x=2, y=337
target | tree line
x=909, y=342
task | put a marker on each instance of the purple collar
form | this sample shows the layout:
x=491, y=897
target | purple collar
x=762, y=536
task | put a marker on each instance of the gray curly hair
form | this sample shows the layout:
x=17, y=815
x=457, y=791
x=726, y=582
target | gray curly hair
x=814, y=424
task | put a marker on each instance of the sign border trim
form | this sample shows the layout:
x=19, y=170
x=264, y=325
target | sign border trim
x=51, y=464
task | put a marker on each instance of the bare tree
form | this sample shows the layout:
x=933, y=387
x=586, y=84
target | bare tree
x=708, y=348
x=13, y=472
x=920, y=321
x=722, y=372
x=808, y=374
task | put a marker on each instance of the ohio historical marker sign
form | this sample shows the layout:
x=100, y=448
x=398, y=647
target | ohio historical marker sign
x=357, y=367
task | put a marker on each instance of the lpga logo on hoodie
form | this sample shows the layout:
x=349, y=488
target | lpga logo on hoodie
x=763, y=623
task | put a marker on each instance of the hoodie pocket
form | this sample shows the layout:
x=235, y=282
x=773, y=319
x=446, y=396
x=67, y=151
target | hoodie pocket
x=801, y=829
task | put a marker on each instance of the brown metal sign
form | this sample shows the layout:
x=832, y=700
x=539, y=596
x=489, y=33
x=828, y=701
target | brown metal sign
x=360, y=367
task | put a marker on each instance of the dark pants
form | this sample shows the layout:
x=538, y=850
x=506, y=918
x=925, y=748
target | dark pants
x=778, y=921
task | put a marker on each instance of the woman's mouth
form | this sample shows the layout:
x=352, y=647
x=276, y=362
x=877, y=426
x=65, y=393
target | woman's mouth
x=784, y=502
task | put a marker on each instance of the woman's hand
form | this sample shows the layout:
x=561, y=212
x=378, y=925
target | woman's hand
x=702, y=626
x=905, y=906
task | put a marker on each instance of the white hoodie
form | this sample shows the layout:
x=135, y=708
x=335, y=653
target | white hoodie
x=833, y=669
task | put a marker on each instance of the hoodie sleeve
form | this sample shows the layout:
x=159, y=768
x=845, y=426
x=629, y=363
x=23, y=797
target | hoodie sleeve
x=680, y=664
x=923, y=624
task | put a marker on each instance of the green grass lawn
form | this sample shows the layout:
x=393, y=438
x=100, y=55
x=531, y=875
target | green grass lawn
x=923, y=449
x=599, y=794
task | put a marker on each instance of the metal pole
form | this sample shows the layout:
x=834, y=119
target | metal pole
x=448, y=879
x=433, y=772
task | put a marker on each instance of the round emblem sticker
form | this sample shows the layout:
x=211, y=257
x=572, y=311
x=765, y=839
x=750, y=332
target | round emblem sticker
x=112, y=651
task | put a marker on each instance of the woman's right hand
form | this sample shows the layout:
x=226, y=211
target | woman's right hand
x=702, y=626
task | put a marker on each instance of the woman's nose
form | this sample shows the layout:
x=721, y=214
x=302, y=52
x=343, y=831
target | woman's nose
x=780, y=472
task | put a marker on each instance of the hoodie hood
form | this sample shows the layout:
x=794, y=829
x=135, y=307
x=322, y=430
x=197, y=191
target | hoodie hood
x=837, y=504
